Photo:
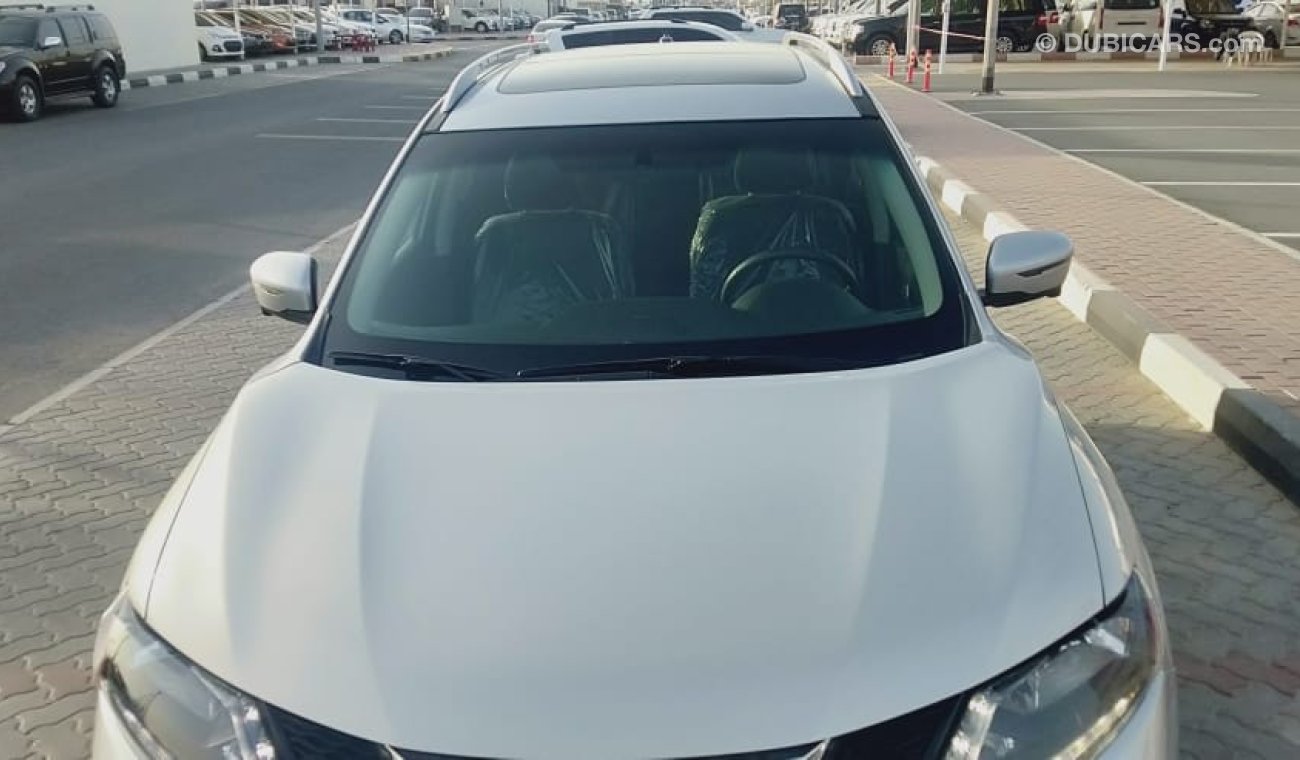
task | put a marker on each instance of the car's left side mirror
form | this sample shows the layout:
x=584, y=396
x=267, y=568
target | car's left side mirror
x=284, y=283
x=51, y=42
x=1026, y=265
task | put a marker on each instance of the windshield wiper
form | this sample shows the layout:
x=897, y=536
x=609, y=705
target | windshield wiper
x=414, y=367
x=692, y=366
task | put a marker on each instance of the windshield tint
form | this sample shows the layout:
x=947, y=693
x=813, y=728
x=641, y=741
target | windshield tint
x=1211, y=7
x=516, y=249
x=17, y=32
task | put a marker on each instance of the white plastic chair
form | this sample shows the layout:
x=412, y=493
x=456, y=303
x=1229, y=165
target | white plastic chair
x=1250, y=47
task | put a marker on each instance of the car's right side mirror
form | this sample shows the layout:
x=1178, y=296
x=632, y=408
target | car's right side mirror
x=1025, y=265
x=284, y=283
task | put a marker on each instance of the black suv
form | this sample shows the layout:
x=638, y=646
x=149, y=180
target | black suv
x=1020, y=22
x=48, y=51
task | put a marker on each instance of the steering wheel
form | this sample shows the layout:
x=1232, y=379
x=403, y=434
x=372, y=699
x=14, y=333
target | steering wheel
x=814, y=255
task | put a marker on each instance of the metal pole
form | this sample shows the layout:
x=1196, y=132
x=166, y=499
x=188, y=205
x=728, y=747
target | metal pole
x=234, y=6
x=913, y=21
x=1164, y=41
x=990, y=48
x=320, y=28
x=1286, y=24
x=943, y=39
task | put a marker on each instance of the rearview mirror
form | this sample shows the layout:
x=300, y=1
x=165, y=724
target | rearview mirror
x=1026, y=265
x=50, y=42
x=284, y=283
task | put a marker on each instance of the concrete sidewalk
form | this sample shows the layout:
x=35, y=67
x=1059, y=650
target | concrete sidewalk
x=1231, y=294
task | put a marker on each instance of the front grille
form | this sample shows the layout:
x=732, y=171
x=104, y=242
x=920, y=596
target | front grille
x=918, y=735
x=233, y=46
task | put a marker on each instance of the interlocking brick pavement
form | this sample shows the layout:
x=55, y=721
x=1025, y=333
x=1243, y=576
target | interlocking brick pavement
x=79, y=480
x=1234, y=297
x=1225, y=544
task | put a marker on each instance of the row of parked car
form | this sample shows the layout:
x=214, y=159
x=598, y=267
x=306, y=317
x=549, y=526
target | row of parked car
x=870, y=27
x=283, y=28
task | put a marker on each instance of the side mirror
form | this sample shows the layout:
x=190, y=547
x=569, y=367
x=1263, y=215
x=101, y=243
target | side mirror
x=51, y=42
x=284, y=283
x=1026, y=265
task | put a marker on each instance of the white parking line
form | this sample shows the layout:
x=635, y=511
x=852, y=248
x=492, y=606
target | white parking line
x=1224, y=151
x=1281, y=235
x=1221, y=184
x=1138, y=110
x=1155, y=128
x=397, y=108
x=355, y=138
x=429, y=98
x=369, y=121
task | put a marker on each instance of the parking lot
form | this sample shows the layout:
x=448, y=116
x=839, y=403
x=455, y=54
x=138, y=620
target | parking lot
x=1224, y=141
x=206, y=176
x=124, y=221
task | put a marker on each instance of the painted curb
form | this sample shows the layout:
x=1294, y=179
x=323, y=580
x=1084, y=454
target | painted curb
x=222, y=72
x=1266, y=435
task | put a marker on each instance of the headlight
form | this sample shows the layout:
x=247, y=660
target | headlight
x=2, y=67
x=1070, y=702
x=168, y=705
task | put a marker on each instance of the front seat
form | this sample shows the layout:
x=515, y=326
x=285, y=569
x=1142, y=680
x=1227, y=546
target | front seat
x=545, y=255
x=774, y=212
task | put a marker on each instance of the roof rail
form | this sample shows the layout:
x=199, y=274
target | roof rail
x=830, y=59
x=475, y=71
x=44, y=7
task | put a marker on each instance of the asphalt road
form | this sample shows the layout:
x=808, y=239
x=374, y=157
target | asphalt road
x=1226, y=141
x=117, y=223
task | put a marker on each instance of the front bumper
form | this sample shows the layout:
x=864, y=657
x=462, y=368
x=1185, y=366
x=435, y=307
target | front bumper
x=1152, y=731
x=1150, y=734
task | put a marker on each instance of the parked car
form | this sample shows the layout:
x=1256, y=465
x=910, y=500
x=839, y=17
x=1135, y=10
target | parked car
x=280, y=39
x=646, y=421
x=427, y=17
x=792, y=17
x=468, y=18
x=1267, y=17
x=600, y=33
x=1020, y=22
x=389, y=28
x=56, y=53
x=543, y=27
x=723, y=19
x=1091, y=19
x=1208, y=20
x=216, y=40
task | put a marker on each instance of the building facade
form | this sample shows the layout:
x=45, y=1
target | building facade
x=155, y=34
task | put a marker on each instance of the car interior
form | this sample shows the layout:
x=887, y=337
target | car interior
x=646, y=242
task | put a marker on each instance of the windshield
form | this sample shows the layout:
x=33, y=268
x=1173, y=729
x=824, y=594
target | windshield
x=513, y=249
x=17, y=32
x=1211, y=7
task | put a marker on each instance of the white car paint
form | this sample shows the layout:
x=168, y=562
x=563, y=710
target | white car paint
x=555, y=38
x=868, y=541
x=563, y=574
x=213, y=38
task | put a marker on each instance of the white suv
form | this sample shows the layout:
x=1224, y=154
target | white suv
x=467, y=18
x=650, y=413
x=574, y=35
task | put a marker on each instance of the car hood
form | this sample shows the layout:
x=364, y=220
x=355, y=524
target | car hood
x=8, y=50
x=620, y=569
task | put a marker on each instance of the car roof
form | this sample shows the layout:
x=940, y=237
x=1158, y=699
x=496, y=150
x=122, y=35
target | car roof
x=656, y=82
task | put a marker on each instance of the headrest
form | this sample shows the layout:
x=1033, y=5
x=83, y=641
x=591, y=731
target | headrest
x=773, y=171
x=536, y=183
